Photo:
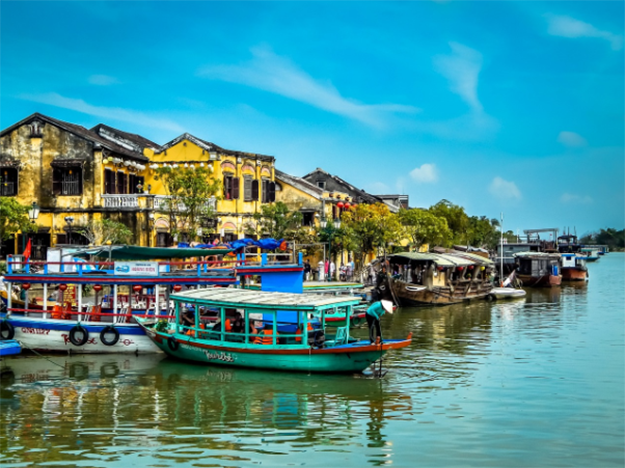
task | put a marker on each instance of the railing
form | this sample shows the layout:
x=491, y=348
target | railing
x=120, y=201
x=161, y=202
x=222, y=268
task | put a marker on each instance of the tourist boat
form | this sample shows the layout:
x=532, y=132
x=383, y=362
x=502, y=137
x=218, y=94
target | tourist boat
x=438, y=278
x=278, y=331
x=539, y=269
x=124, y=290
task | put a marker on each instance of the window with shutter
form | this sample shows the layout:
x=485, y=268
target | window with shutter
x=272, y=191
x=254, y=190
x=227, y=187
x=109, y=181
x=235, y=188
x=121, y=183
x=247, y=188
x=57, y=182
x=8, y=182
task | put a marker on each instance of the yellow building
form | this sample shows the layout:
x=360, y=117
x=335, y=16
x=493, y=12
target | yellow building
x=78, y=176
x=247, y=182
x=60, y=166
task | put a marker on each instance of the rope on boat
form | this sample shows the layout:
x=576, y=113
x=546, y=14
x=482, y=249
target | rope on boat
x=41, y=355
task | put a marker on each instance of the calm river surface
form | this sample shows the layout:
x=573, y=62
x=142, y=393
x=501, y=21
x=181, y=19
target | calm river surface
x=538, y=382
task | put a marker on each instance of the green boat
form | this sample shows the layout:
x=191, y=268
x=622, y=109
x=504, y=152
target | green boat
x=265, y=330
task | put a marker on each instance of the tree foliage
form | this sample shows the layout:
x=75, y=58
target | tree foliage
x=611, y=237
x=457, y=220
x=423, y=227
x=100, y=232
x=368, y=228
x=13, y=219
x=190, y=191
x=276, y=221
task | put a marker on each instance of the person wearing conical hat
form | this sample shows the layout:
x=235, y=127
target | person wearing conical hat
x=374, y=313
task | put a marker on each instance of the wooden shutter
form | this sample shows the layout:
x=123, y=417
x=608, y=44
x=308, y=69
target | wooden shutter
x=235, y=188
x=255, y=189
x=107, y=181
x=272, y=192
x=57, y=181
x=247, y=188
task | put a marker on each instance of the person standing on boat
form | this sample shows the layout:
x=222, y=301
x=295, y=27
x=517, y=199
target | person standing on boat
x=374, y=313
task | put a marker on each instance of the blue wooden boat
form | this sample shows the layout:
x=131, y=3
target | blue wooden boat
x=9, y=347
x=277, y=331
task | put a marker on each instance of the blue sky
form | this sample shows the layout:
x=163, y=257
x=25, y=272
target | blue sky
x=514, y=107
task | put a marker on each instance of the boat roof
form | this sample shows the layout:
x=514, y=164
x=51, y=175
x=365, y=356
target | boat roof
x=537, y=255
x=263, y=299
x=133, y=252
x=444, y=260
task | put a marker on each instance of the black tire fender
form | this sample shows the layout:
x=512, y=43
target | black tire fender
x=7, y=331
x=72, y=335
x=107, y=330
x=172, y=343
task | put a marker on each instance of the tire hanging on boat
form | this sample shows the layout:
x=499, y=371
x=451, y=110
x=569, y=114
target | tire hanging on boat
x=172, y=343
x=108, y=330
x=7, y=332
x=78, y=341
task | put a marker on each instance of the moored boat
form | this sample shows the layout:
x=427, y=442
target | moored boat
x=276, y=331
x=574, y=267
x=67, y=320
x=539, y=269
x=506, y=293
x=439, y=278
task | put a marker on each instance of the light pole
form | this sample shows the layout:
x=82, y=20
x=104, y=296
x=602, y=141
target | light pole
x=33, y=214
x=69, y=220
x=331, y=231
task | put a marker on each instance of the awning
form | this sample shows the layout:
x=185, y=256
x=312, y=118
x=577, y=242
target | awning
x=444, y=260
x=131, y=252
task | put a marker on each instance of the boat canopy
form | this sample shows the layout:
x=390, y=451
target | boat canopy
x=132, y=252
x=444, y=260
x=244, y=298
x=538, y=255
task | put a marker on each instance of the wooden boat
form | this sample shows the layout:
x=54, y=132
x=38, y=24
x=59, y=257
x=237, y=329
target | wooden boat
x=91, y=325
x=438, y=278
x=574, y=267
x=591, y=253
x=279, y=331
x=539, y=269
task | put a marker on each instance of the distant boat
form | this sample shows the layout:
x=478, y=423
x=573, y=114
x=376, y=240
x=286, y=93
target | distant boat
x=539, y=269
x=574, y=267
x=591, y=253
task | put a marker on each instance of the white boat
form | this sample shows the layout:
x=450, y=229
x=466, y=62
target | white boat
x=506, y=293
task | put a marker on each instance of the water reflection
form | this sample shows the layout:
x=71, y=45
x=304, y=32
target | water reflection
x=105, y=405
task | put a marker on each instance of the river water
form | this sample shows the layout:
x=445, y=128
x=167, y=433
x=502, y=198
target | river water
x=538, y=383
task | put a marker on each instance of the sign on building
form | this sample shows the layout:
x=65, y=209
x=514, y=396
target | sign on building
x=136, y=268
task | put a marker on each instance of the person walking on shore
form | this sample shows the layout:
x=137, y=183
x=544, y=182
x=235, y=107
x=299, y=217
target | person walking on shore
x=374, y=313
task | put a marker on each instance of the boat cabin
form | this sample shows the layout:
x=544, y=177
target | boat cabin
x=538, y=264
x=244, y=318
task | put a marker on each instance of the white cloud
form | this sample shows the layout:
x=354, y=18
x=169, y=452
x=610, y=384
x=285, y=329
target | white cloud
x=565, y=26
x=275, y=74
x=425, y=174
x=114, y=113
x=571, y=139
x=102, y=80
x=462, y=69
x=572, y=198
x=504, y=189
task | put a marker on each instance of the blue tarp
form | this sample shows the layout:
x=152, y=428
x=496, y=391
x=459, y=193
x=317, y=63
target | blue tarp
x=266, y=244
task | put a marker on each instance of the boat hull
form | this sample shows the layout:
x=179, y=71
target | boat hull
x=507, y=293
x=574, y=274
x=51, y=335
x=545, y=281
x=351, y=358
x=408, y=294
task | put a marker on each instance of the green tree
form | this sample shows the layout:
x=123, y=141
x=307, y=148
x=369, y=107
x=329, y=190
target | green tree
x=482, y=232
x=423, y=227
x=100, y=232
x=13, y=219
x=191, y=196
x=457, y=220
x=276, y=221
x=369, y=228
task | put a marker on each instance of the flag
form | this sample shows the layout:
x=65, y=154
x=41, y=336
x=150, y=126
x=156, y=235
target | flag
x=27, y=250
